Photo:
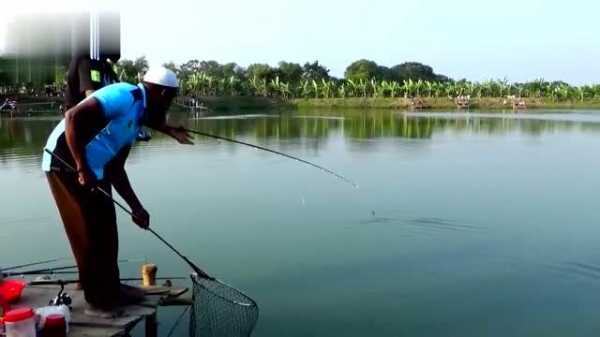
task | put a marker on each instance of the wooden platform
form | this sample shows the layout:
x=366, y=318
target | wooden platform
x=83, y=325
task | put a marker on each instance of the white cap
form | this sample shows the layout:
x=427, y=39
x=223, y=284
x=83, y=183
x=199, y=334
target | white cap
x=161, y=76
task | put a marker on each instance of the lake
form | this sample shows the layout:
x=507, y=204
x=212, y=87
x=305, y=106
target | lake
x=465, y=224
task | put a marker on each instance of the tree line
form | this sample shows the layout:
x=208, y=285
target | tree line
x=287, y=72
x=362, y=78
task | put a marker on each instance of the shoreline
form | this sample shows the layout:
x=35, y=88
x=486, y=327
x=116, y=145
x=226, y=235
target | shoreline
x=237, y=103
x=225, y=104
x=432, y=104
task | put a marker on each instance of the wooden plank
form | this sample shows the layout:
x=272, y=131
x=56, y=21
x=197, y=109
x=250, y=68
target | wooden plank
x=176, y=301
x=164, y=291
x=87, y=331
x=132, y=315
x=83, y=325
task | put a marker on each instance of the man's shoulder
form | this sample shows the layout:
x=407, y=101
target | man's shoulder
x=124, y=92
x=116, y=98
x=118, y=88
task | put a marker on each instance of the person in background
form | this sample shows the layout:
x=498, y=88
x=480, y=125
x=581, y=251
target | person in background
x=86, y=76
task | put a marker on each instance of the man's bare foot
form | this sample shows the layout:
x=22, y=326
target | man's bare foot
x=93, y=311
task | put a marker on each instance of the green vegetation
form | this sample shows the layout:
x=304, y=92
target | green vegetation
x=366, y=85
x=439, y=103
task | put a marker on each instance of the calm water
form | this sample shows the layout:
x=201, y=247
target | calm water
x=464, y=224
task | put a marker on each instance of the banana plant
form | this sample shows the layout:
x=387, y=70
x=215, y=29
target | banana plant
x=341, y=90
x=327, y=88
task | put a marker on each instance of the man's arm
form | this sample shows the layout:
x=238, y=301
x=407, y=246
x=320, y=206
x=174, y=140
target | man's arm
x=74, y=123
x=177, y=133
x=120, y=181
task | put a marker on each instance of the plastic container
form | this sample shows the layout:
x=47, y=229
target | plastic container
x=55, y=326
x=20, y=323
x=45, y=312
x=4, y=307
x=11, y=290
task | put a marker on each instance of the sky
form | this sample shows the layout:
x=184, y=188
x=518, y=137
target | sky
x=475, y=39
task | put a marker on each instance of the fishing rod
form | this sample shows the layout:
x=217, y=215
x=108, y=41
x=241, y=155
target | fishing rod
x=324, y=169
x=32, y=264
x=194, y=267
x=129, y=279
x=40, y=271
x=52, y=270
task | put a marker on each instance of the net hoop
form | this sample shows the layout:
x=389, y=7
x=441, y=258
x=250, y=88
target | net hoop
x=199, y=281
x=220, y=310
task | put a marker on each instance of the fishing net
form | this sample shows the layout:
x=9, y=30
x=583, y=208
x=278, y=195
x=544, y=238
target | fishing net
x=220, y=310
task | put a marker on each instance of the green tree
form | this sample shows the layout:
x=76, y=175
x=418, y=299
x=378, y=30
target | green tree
x=141, y=65
x=232, y=69
x=261, y=71
x=4, y=71
x=414, y=71
x=364, y=70
x=188, y=68
x=290, y=72
x=314, y=72
x=211, y=68
x=172, y=66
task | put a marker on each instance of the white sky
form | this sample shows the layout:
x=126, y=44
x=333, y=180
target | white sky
x=474, y=39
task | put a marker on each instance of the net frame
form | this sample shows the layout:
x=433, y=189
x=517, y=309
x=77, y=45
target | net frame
x=220, y=310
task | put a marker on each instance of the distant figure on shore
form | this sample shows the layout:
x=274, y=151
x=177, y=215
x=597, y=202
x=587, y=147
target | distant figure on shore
x=463, y=102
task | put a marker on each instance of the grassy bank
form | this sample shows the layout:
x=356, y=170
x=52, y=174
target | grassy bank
x=226, y=104
x=237, y=103
x=437, y=103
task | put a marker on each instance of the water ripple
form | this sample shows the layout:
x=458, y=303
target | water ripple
x=422, y=223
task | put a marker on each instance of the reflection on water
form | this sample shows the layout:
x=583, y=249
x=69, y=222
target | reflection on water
x=463, y=225
x=24, y=138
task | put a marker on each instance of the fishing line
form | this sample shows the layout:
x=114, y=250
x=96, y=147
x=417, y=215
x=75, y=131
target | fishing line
x=324, y=169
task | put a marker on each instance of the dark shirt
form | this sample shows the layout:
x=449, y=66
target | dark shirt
x=85, y=74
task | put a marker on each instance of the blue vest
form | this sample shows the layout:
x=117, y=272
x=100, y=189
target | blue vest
x=123, y=105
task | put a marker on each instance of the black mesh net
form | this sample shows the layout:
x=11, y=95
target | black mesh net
x=220, y=310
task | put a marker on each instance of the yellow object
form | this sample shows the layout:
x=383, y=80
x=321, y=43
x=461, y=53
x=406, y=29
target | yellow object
x=149, y=274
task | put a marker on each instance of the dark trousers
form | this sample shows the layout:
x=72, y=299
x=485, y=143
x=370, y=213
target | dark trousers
x=90, y=223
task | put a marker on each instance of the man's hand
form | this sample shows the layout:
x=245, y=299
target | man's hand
x=180, y=134
x=86, y=177
x=141, y=217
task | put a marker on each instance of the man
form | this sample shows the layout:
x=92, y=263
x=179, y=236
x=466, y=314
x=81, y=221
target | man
x=95, y=138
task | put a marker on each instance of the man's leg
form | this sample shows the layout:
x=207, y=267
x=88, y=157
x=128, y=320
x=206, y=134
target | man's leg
x=68, y=196
x=90, y=223
x=99, y=212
